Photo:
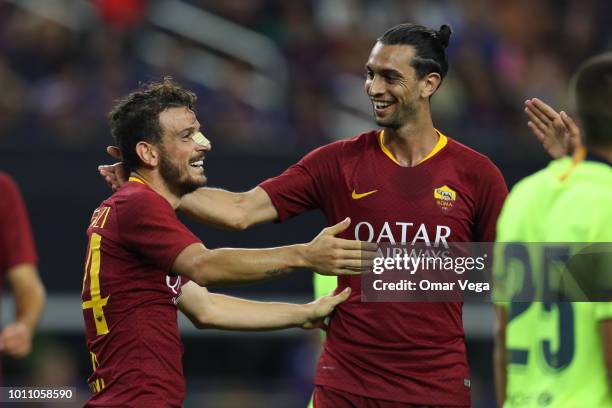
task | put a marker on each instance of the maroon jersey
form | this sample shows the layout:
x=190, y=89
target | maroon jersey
x=129, y=300
x=16, y=243
x=408, y=352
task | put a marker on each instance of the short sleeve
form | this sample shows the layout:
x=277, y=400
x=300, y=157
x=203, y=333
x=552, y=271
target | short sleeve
x=16, y=241
x=492, y=194
x=300, y=188
x=148, y=225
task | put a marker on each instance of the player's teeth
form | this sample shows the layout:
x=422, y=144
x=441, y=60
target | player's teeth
x=198, y=163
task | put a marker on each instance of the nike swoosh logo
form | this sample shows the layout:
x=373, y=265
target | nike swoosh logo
x=357, y=196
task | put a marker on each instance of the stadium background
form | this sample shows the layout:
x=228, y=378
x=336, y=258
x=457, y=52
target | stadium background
x=275, y=79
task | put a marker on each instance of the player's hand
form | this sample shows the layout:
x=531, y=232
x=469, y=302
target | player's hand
x=115, y=175
x=329, y=255
x=557, y=132
x=323, y=307
x=16, y=340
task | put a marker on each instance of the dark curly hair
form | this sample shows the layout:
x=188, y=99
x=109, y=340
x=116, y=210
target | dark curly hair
x=135, y=117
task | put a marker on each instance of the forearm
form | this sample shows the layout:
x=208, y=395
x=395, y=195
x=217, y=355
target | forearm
x=216, y=207
x=230, y=313
x=28, y=293
x=229, y=265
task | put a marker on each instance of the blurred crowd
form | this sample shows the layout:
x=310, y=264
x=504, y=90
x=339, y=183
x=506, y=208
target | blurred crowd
x=61, y=69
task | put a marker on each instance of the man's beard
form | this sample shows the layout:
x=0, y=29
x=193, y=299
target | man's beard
x=177, y=183
x=408, y=113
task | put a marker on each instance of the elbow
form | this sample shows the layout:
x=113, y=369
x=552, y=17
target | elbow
x=239, y=219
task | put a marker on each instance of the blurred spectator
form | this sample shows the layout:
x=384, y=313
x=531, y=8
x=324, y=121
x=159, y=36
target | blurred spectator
x=62, y=79
x=18, y=262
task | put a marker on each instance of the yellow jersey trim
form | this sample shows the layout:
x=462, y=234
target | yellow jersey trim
x=442, y=141
x=136, y=179
x=577, y=158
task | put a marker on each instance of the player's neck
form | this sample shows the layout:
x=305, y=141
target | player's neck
x=411, y=143
x=154, y=180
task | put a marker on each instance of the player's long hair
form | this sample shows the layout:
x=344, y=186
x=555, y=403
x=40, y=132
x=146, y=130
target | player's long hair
x=135, y=117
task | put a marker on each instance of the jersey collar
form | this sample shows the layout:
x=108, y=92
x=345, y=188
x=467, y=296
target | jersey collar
x=442, y=141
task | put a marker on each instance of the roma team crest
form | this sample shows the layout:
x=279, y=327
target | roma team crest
x=445, y=197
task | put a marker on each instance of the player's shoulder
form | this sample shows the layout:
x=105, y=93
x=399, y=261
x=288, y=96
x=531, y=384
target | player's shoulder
x=349, y=146
x=134, y=197
x=467, y=155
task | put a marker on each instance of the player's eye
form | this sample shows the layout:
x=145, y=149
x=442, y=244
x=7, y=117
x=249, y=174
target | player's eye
x=369, y=74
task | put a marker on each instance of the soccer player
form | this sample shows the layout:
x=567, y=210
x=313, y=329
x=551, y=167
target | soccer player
x=138, y=253
x=405, y=183
x=559, y=354
x=18, y=262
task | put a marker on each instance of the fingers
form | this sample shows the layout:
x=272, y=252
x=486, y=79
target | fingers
x=538, y=118
x=536, y=131
x=340, y=297
x=338, y=228
x=356, y=264
x=570, y=125
x=351, y=244
x=114, y=152
x=543, y=108
x=357, y=254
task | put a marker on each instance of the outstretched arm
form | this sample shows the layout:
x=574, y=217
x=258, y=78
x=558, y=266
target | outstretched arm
x=212, y=206
x=557, y=132
x=325, y=254
x=224, y=209
x=209, y=310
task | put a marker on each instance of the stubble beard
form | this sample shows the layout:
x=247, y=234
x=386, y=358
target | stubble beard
x=176, y=182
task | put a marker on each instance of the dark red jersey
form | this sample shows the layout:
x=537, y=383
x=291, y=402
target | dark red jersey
x=129, y=300
x=409, y=352
x=16, y=242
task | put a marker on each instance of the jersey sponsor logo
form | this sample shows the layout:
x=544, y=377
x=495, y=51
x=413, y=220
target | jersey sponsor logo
x=445, y=197
x=409, y=233
x=357, y=196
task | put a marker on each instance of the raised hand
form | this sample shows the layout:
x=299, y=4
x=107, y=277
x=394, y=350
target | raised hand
x=115, y=175
x=323, y=307
x=557, y=132
x=329, y=255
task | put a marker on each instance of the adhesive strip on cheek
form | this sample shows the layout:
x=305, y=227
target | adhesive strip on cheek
x=200, y=139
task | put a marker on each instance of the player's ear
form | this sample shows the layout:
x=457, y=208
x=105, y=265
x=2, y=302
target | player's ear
x=430, y=84
x=147, y=153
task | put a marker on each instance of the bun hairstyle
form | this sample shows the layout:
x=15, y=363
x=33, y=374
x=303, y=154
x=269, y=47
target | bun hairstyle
x=444, y=34
x=429, y=45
